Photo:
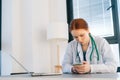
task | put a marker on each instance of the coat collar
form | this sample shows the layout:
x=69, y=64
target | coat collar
x=88, y=52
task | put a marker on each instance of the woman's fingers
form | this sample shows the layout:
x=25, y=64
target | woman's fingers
x=84, y=68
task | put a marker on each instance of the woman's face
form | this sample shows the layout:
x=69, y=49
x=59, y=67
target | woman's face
x=81, y=35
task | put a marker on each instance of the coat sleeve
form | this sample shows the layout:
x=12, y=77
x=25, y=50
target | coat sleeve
x=67, y=60
x=109, y=64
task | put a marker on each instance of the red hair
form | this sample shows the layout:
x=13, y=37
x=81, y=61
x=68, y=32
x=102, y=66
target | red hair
x=78, y=24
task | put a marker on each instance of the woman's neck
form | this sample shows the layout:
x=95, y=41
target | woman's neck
x=85, y=47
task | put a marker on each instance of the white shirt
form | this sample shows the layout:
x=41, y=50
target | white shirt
x=106, y=63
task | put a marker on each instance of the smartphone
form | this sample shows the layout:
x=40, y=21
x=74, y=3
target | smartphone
x=77, y=64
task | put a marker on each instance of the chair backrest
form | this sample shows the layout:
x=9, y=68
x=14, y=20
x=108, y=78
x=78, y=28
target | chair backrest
x=118, y=69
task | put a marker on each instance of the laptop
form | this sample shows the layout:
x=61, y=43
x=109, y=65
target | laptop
x=37, y=74
x=32, y=73
x=45, y=74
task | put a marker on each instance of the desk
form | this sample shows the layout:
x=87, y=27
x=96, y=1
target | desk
x=65, y=77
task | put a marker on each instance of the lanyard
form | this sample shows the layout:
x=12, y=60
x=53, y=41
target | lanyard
x=77, y=55
x=93, y=47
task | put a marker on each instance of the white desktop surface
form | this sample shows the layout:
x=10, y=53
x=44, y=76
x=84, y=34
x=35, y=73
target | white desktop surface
x=115, y=76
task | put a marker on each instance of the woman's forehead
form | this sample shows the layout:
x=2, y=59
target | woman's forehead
x=79, y=32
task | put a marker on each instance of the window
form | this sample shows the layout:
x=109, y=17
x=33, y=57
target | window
x=98, y=14
x=101, y=15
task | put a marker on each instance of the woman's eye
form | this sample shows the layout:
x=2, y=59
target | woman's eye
x=75, y=37
x=82, y=35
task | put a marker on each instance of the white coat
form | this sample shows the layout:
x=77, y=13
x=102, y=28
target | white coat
x=106, y=63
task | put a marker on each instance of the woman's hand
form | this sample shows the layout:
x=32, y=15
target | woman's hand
x=81, y=69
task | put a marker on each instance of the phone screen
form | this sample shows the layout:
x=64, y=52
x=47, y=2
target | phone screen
x=77, y=64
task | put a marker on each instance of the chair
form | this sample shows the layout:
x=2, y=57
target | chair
x=118, y=69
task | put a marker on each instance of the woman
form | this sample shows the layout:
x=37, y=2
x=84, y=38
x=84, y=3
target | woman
x=87, y=53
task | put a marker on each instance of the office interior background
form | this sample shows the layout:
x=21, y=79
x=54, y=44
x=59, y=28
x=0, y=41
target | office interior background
x=24, y=25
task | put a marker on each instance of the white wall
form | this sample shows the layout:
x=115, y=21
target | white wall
x=41, y=51
x=24, y=24
x=6, y=36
